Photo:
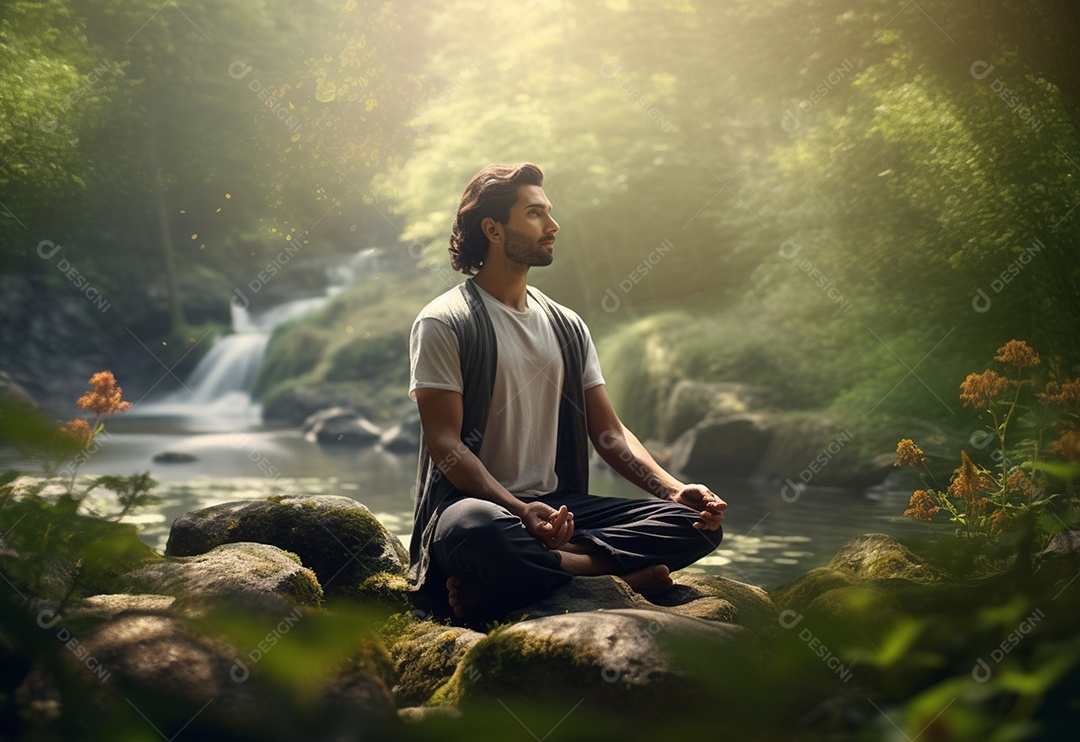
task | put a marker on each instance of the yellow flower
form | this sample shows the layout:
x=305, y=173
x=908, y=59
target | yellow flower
x=104, y=396
x=1019, y=482
x=922, y=506
x=908, y=453
x=997, y=521
x=979, y=390
x=1017, y=353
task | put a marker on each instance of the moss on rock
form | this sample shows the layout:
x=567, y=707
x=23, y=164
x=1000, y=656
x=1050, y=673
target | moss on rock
x=336, y=537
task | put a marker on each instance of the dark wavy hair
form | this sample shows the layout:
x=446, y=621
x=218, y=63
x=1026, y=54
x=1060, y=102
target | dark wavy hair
x=491, y=192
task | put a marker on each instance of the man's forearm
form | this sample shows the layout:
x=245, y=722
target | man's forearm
x=462, y=467
x=624, y=453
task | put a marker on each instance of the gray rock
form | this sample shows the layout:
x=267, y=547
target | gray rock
x=403, y=437
x=733, y=444
x=583, y=594
x=690, y=402
x=241, y=568
x=340, y=425
x=108, y=606
x=625, y=660
x=175, y=674
x=751, y=605
x=174, y=457
x=336, y=537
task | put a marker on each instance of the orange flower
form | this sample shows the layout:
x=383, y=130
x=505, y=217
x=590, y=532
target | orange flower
x=1068, y=445
x=908, y=453
x=1066, y=394
x=1017, y=353
x=967, y=481
x=1019, y=482
x=979, y=390
x=104, y=397
x=922, y=506
x=998, y=521
x=79, y=430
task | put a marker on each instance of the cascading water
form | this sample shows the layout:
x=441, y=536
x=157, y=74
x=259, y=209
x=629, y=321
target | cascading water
x=219, y=389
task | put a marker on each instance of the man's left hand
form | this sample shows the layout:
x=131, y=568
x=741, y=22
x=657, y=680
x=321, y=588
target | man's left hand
x=709, y=506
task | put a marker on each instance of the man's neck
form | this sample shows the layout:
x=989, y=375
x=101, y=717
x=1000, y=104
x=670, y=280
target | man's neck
x=506, y=282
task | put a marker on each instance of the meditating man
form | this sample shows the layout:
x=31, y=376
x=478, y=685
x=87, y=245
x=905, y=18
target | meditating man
x=510, y=392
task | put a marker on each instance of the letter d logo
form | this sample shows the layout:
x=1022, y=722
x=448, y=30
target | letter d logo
x=610, y=302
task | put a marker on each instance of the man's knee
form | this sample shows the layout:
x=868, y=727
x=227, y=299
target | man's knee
x=473, y=520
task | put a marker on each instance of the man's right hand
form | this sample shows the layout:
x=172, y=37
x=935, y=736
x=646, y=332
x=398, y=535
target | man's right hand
x=553, y=528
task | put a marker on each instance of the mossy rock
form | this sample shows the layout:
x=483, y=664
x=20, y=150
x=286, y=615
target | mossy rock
x=425, y=654
x=801, y=591
x=626, y=660
x=336, y=537
x=877, y=556
x=752, y=605
x=243, y=568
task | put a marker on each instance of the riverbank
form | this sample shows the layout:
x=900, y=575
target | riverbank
x=303, y=632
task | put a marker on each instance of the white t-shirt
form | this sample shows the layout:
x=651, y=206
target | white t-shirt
x=518, y=446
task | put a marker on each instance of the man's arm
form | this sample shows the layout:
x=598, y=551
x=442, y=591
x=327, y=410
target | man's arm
x=624, y=453
x=441, y=415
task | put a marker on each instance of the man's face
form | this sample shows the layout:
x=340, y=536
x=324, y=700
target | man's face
x=530, y=232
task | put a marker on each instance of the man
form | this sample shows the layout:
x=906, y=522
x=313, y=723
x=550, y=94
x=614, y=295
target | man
x=509, y=391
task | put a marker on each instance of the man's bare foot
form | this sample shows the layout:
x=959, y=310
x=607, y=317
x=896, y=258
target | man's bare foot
x=468, y=596
x=649, y=580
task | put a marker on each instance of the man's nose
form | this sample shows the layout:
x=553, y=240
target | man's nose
x=554, y=227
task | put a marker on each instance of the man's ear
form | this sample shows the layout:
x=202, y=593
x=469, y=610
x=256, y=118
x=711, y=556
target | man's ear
x=492, y=229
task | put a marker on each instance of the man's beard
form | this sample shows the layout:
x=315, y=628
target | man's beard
x=520, y=249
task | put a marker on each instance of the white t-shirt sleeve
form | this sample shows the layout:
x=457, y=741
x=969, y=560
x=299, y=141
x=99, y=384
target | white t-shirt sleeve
x=592, y=376
x=434, y=357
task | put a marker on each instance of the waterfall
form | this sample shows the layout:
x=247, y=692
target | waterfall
x=218, y=391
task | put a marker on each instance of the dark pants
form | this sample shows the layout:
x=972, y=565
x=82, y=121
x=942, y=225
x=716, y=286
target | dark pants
x=485, y=540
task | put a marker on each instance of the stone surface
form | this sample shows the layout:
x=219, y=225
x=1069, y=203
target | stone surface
x=425, y=654
x=625, y=660
x=582, y=594
x=752, y=606
x=174, y=457
x=336, y=537
x=877, y=556
x=176, y=675
x=241, y=568
x=107, y=606
x=690, y=402
x=801, y=591
x=732, y=444
x=340, y=425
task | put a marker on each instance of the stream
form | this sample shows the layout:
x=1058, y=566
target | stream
x=212, y=417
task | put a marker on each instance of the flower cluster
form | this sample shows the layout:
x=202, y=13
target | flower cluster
x=104, y=398
x=908, y=454
x=986, y=501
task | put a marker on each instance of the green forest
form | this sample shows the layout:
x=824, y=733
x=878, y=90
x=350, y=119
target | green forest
x=857, y=208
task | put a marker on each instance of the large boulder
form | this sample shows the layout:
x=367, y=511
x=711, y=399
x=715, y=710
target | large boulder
x=733, y=445
x=340, y=425
x=582, y=594
x=180, y=675
x=425, y=655
x=241, y=568
x=690, y=402
x=621, y=660
x=336, y=537
x=403, y=437
x=750, y=606
x=878, y=556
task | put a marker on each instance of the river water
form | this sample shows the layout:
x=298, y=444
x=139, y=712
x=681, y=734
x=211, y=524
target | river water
x=768, y=539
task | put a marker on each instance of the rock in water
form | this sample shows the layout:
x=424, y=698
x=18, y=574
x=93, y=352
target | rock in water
x=336, y=537
x=242, y=568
